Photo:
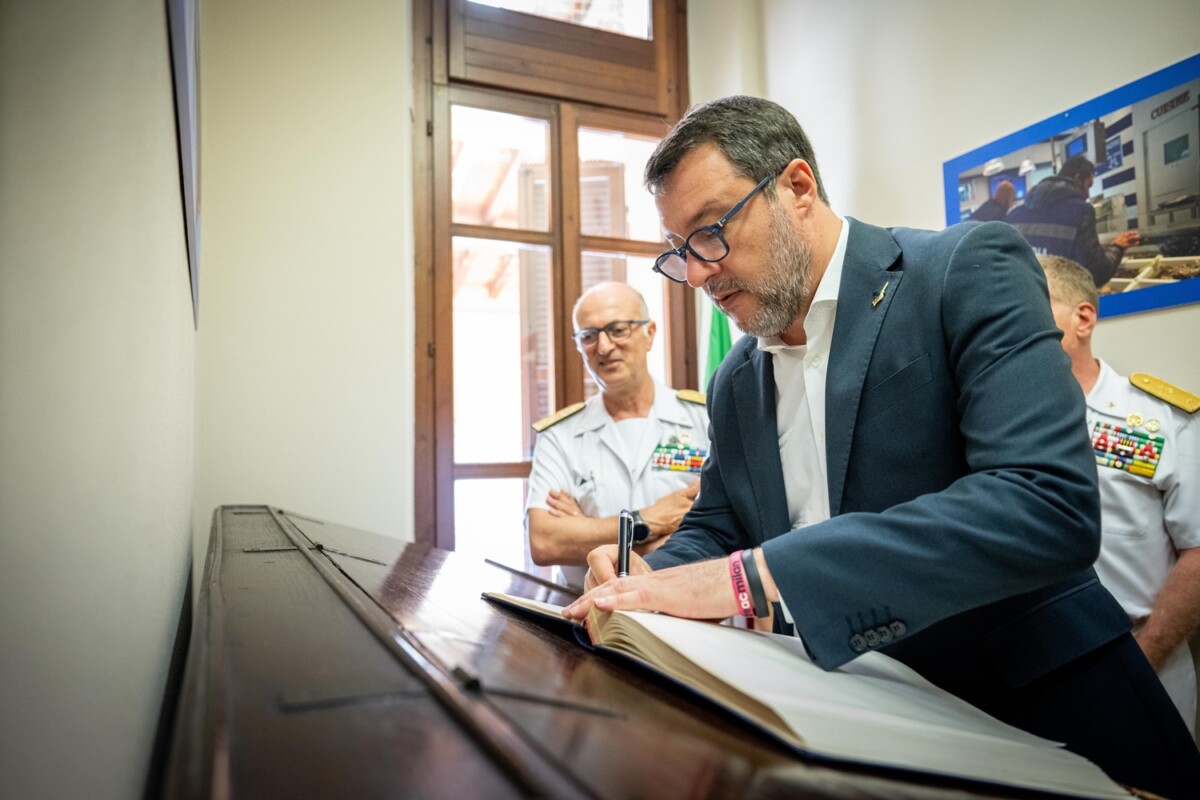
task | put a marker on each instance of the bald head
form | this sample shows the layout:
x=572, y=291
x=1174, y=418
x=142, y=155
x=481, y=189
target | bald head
x=611, y=294
x=622, y=334
x=1005, y=193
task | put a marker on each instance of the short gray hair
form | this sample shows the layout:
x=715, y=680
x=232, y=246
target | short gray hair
x=1069, y=282
x=642, y=307
x=758, y=137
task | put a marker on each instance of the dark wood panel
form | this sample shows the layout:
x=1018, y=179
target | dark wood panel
x=428, y=41
x=291, y=696
x=573, y=70
x=555, y=35
x=330, y=662
x=549, y=86
x=510, y=469
x=589, y=712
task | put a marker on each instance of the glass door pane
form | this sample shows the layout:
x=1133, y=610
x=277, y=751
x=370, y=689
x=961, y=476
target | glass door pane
x=502, y=354
x=499, y=176
x=489, y=520
x=613, y=201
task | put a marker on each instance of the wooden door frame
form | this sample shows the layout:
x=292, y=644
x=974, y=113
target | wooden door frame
x=434, y=474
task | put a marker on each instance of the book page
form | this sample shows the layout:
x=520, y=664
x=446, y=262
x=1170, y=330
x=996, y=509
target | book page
x=880, y=713
x=873, y=711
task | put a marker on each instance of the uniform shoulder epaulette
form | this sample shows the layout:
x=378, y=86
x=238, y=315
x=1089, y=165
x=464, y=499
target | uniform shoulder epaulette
x=557, y=417
x=1165, y=391
x=691, y=396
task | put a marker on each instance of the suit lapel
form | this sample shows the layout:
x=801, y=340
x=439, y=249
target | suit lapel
x=754, y=399
x=872, y=257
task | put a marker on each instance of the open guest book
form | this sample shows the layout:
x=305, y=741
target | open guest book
x=874, y=710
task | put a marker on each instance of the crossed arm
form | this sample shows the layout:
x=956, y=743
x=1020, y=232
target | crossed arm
x=563, y=534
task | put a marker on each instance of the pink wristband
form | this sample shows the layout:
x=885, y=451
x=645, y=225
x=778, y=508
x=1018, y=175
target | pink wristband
x=741, y=589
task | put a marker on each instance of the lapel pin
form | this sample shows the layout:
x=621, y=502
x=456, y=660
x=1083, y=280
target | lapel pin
x=879, y=297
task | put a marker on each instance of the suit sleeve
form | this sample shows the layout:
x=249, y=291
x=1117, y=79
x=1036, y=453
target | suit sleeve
x=1023, y=514
x=710, y=529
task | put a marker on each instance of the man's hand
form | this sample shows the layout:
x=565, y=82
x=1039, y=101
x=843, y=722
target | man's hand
x=562, y=504
x=602, y=566
x=698, y=591
x=1127, y=239
x=664, y=515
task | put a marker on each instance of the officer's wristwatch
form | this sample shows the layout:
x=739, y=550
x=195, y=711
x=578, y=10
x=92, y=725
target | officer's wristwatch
x=641, y=531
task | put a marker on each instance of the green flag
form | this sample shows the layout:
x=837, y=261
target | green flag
x=719, y=343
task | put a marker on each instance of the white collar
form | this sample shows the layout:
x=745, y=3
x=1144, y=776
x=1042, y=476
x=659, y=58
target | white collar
x=666, y=408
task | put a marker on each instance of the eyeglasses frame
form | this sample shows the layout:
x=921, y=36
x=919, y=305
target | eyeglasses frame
x=714, y=229
x=633, y=323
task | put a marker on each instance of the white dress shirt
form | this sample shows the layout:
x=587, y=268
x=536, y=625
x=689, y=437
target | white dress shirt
x=800, y=401
x=800, y=398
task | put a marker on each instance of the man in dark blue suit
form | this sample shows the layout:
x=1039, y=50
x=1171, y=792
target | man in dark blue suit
x=897, y=459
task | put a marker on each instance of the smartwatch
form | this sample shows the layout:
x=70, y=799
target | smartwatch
x=641, y=531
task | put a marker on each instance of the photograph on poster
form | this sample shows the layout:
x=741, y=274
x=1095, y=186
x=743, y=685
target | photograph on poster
x=1143, y=141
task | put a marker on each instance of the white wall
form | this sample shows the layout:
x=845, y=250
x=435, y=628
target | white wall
x=304, y=365
x=96, y=384
x=889, y=91
x=725, y=49
x=725, y=56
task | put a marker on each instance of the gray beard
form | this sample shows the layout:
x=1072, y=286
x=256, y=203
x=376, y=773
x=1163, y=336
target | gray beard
x=784, y=290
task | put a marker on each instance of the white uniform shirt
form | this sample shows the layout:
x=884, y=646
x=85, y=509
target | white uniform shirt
x=583, y=454
x=1144, y=519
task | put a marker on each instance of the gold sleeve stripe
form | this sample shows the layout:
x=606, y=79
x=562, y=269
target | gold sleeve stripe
x=1165, y=391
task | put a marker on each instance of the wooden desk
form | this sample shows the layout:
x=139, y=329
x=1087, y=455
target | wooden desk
x=328, y=662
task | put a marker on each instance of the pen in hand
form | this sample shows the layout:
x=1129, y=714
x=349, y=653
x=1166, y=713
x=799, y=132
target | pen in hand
x=624, y=542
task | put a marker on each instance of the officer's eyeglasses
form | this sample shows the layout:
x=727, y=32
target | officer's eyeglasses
x=618, y=331
x=707, y=243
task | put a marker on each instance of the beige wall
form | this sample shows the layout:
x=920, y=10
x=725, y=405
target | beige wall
x=301, y=371
x=96, y=385
x=304, y=362
x=889, y=91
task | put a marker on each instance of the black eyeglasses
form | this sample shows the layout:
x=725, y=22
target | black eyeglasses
x=706, y=244
x=617, y=331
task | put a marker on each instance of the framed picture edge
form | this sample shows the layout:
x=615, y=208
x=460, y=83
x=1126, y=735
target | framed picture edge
x=1111, y=305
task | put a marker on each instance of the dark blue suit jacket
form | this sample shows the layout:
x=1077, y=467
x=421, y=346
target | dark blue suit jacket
x=962, y=486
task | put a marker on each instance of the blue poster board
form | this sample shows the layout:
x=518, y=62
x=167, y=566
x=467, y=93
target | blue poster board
x=1144, y=138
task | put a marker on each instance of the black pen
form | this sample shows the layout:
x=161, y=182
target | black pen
x=624, y=542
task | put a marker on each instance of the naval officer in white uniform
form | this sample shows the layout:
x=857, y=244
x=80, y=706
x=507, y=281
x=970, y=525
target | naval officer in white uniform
x=1147, y=442
x=635, y=445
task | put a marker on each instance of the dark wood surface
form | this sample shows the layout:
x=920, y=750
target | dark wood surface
x=330, y=662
